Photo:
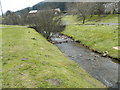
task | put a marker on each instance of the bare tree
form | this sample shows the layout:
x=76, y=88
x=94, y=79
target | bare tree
x=100, y=8
x=11, y=18
x=45, y=22
x=71, y=8
x=84, y=9
x=111, y=8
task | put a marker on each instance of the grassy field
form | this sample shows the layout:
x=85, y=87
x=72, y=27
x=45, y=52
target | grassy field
x=29, y=61
x=99, y=38
x=92, y=20
x=0, y=58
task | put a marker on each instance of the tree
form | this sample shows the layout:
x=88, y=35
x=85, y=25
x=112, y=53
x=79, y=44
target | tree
x=111, y=8
x=45, y=22
x=100, y=8
x=11, y=18
x=71, y=8
x=84, y=9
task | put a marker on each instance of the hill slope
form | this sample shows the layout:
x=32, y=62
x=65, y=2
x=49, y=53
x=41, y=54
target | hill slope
x=29, y=61
x=44, y=5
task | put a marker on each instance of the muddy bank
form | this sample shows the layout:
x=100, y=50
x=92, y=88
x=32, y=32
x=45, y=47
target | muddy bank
x=101, y=68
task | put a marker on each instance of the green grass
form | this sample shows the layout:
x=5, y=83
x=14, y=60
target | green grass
x=110, y=19
x=113, y=18
x=44, y=66
x=98, y=37
x=0, y=58
x=71, y=19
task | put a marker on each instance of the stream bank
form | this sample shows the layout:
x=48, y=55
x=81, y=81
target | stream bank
x=101, y=68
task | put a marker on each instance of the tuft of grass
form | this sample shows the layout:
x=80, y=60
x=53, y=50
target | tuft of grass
x=98, y=37
x=30, y=61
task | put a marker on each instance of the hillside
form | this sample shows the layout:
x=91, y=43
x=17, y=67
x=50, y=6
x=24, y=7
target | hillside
x=44, y=5
x=29, y=61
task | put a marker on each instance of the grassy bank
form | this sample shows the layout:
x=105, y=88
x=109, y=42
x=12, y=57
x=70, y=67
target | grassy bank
x=99, y=38
x=0, y=58
x=29, y=61
x=95, y=19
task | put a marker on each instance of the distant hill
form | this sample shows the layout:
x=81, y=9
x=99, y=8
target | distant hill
x=24, y=11
x=44, y=5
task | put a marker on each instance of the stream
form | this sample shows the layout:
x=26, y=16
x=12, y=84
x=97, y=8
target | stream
x=101, y=68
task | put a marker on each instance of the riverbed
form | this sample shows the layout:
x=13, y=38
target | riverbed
x=101, y=68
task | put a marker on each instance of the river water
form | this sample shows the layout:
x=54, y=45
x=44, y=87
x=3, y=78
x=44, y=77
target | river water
x=101, y=68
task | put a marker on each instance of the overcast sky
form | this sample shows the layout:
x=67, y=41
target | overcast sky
x=15, y=5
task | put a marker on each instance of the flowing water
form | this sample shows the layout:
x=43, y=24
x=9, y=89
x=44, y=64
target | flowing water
x=101, y=68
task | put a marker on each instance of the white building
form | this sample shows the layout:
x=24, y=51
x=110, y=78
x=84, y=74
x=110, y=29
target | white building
x=57, y=10
x=33, y=12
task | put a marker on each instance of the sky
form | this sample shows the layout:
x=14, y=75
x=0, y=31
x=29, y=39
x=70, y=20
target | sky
x=15, y=5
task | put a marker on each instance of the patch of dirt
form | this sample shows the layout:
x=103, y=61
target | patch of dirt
x=54, y=81
x=24, y=59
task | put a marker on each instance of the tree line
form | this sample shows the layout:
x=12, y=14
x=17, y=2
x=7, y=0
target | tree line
x=82, y=9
